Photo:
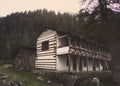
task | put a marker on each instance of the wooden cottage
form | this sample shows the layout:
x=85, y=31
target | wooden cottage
x=62, y=51
x=25, y=58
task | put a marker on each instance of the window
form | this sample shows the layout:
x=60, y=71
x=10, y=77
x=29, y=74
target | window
x=45, y=45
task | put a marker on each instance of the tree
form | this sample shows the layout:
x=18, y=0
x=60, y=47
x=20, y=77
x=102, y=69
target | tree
x=99, y=7
x=22, y=29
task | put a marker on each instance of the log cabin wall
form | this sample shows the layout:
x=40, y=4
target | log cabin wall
x=46, y=51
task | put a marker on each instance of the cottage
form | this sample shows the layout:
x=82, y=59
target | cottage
x=25, y=58
x=63, y=51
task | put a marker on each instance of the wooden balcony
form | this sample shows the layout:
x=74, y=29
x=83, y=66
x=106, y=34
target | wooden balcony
x=88, y=53
x=62, y=50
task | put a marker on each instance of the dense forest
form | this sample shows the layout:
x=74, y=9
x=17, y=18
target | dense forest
x=21, y=29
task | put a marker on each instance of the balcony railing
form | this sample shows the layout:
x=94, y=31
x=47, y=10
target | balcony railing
x=89, y=53
x=62, y=50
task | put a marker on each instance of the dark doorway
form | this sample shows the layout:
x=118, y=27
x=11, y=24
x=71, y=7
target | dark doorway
x=74, y=62
x=94, y=65
x=80, y=64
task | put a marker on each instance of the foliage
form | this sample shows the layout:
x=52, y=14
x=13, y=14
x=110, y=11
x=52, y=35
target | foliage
x=27, y=78
x=101, y=23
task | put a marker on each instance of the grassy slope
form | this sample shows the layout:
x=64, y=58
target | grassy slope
x=25, y=77
x=29, y=79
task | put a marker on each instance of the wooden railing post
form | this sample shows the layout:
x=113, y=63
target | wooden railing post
x=69, y=62
x=69, y=56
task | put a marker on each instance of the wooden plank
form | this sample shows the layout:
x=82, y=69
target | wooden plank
x=50, y=45
x=45, y=55
x=40, y=55
x=39, y=44
x=46, y=39
x=45, y=60
x=54, y=42
x=50, y=36
x=51, y=40
x=62, y=36
x=45, y=52
x=49, y=64
x=49, y=53
x=78, y=63
x=46, y=66
x=50, y=49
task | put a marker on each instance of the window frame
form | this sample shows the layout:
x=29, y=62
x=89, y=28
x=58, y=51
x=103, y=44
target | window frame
x=45, y=45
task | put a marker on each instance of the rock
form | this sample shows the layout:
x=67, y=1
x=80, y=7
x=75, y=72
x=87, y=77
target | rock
x=61, y=84
x=48, y=82
x=40, y=78
x=35, y=72
x=15, y=83
x=28, y=68
x=3, y=77
x=20, y=69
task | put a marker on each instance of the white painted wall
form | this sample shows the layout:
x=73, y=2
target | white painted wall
x=101, y=68
x=90, y=64
x=61, y=63
x=83, y=67
x=97, y=68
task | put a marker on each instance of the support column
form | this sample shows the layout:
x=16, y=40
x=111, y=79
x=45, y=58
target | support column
x=69, y=56
x=106, y=65
x=99, y=64
x=87, y=63
x=78, y=64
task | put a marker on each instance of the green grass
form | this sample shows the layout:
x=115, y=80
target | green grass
x=27, y=78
